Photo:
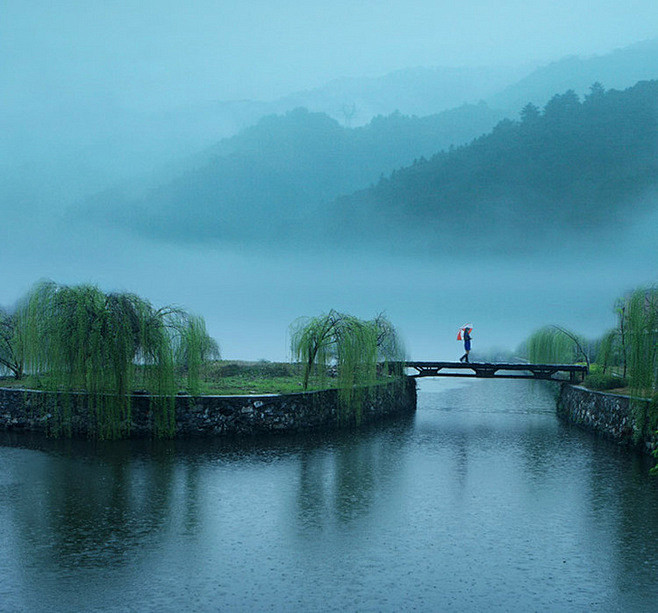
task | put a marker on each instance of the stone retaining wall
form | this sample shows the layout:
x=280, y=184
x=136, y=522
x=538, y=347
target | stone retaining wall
x=607, y=414
x=31, y=410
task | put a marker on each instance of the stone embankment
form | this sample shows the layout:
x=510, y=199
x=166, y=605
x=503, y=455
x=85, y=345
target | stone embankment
x=610, y=415
x=33, y=411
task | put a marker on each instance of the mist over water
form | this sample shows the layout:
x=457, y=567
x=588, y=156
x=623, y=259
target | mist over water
x=250, y=294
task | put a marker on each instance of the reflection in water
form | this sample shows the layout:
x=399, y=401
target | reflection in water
x=482, y=500
x=624, y=515
x=95, y=511
x=341, y=485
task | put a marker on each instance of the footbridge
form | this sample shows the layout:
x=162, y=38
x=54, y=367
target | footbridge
x=499, y=370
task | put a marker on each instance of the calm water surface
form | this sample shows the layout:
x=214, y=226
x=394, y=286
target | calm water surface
x=483, y=500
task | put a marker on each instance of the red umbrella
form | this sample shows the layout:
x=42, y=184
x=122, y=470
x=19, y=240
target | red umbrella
x=468, y=327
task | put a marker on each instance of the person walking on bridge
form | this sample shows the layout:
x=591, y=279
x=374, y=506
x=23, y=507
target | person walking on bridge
x=465, y=333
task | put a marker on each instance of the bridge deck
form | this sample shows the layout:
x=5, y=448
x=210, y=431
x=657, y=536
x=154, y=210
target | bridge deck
x=498, y=370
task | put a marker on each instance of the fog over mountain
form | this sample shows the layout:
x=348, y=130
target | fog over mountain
x=60, y=145
x=574, y=166
x=573, y=173
x=283, y=171
x=129, y=130
x=412, y=91
x=619, y=69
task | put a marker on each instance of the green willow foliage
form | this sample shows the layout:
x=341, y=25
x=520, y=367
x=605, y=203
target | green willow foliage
x=629, y=350
x=609, y=350
x=356, y=348
x=551, y=345
x=632, y=350
x=80, y=339
x=194, y=348
x=640, y=319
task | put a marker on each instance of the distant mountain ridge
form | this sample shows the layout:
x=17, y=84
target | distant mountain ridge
x=422, y=91
x=280, y=171
x=619, y=69
x=566, y=172
x=57, y=152
x=62, y=151
x=412, y=91
x=286, y=170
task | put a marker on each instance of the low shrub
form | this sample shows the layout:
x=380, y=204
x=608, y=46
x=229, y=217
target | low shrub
x=216, y=371
x=600, y=381
x=275, y=369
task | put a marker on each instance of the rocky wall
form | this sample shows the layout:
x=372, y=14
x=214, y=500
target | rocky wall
x=31, y=410
x=607, y=414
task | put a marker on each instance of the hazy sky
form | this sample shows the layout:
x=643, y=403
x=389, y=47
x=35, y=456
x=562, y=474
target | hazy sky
x=162, y=52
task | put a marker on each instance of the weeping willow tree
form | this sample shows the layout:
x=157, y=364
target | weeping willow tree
x=354, y=346
x=194, y=347
x=356, y=362
x=390, y=349
x=80, y=339
x=555, y=345
x=640, y=320
x=608, y=352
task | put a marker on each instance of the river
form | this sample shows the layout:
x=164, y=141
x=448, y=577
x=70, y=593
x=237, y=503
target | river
x=482, y=500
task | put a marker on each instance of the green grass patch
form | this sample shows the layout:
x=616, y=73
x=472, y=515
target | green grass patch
x=225, y=377
x=602, y=382
x=241, y=385
x=27, y=382
x=229, y=377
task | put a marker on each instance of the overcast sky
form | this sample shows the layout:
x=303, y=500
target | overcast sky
x=164, y=53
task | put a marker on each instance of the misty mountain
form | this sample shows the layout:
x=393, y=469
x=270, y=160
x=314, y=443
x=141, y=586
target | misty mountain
x=281, y=172
x=412, y=91
x=555, y=177
x=619, y=69
x=59, y=148
x=56, y=151
x=422, y=91
x=354, y=101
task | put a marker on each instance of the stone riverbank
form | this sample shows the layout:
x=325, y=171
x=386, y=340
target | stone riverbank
x=34, y=411
x=609, y=415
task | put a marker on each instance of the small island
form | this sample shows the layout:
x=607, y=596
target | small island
x=81, y=362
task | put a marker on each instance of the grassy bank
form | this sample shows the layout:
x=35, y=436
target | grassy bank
x=239, y=377
x=228, y=377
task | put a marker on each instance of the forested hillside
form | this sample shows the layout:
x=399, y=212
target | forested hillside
x=282, y=171
x=572, y=167
x=557, y=174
